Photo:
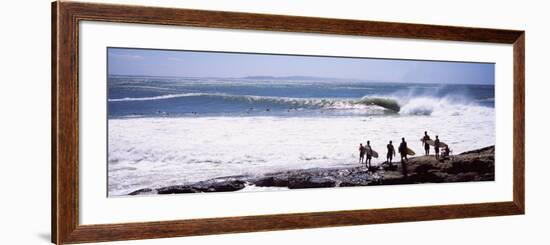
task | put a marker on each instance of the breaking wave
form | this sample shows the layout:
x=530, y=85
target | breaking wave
x=446, y=106
x=294, y=103
x=423, y=105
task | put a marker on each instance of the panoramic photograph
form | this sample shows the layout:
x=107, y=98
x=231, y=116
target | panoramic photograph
x=203, y=121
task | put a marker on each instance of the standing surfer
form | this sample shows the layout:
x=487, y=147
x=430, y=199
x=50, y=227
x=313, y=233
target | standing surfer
x=391, y=153
x=361, y=153
x=425, y=143
x=369, y=155
x=445, y=154
x=436, y=147
x=403, y=151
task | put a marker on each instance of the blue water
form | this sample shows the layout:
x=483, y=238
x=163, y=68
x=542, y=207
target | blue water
x=131, y=96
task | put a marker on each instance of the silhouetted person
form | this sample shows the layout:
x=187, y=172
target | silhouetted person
x=403, y=150
x=391, y=153
x=361, y=153
x=446, y=152
x=436, y=147
x=369, y=154
x=425, y=144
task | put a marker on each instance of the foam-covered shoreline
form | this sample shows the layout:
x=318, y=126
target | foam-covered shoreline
x=476, y=165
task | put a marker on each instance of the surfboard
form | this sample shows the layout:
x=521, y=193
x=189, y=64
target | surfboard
x=410, y=152
x=374, y=153
x=432, y=143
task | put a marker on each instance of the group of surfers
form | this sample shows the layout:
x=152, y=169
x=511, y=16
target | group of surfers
x=366, y=150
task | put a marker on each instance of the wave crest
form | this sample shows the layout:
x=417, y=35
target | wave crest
x=161, y=97
x=308, y=103
x=369, y=104
x=388, y=103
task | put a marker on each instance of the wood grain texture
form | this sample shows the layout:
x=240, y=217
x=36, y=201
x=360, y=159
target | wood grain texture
x=519, y=122
x=149, y=230
x=65, y=96
x=235, y=20
x=54, y=123
x=65, y=121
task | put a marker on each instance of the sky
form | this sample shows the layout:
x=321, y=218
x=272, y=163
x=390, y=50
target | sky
x=149, y=62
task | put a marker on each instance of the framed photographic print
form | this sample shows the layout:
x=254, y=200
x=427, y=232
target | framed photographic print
x=220, y=122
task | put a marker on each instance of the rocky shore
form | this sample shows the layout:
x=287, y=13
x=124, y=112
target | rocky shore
x=477, y=165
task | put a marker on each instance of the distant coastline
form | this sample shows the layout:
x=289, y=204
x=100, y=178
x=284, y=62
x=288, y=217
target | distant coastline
x=297, y=78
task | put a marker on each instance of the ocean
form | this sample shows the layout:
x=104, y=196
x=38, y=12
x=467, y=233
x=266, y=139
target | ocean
x=167, y=130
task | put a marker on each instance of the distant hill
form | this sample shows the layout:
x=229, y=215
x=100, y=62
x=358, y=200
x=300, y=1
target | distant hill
x=303, y=78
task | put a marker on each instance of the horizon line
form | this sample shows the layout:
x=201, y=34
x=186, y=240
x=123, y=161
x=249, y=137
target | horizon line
x=317, y=77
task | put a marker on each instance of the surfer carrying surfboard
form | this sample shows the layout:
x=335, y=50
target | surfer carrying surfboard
x=436, y=147
x=403, y=151
x=425, y=143
x=361, y=153
x=369, y=154
x=391, y=153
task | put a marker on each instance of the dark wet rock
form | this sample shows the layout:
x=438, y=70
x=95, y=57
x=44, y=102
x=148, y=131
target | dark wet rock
x=176, y=189
x=213, y=185
x=141, y=192
x=480, y=163
x=219, y=186
x=277, y=181
x=476, y=165
x=482, y=151
x=426, y=177
x=374, y=169
x=465, y=177
x=354, y=181
x=392, y=167
x=303, y=182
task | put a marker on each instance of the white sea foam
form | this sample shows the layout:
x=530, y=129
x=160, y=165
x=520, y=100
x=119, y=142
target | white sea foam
x=155, y=152
x=161, y=97
x=442, y=107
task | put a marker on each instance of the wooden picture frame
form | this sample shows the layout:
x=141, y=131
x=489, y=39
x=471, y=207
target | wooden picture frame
x=65, y=121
